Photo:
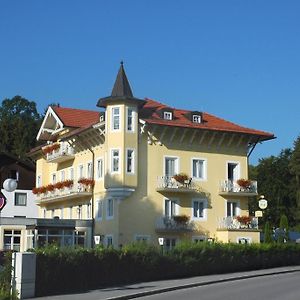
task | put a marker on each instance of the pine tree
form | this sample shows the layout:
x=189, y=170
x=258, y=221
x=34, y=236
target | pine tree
x=268, y=233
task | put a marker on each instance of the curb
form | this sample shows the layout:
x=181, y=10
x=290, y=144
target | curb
x=197, y=284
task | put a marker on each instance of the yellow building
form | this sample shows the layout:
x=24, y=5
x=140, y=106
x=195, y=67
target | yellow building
x=116, y=168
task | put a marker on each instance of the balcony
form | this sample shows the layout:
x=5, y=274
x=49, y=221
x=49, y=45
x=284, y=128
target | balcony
x=61, y=153
x=67, y=193
x=232, y=188
x=169, y=184
x=238, y=223
x=172, y=224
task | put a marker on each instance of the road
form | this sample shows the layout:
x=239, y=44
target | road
x=275, y=287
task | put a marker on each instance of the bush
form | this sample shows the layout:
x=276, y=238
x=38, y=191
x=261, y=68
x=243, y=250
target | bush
x=65, y=270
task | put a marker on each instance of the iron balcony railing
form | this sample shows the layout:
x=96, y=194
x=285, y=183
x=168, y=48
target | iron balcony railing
x=65, y=152
x=76, y=190
x=234, y=223
x=169, y=183
x=170, y=224
x=230, y=186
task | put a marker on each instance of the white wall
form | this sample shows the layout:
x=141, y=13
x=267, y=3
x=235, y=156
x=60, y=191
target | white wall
x=11, y=210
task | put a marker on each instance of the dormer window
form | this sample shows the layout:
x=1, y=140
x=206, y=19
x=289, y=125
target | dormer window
x=196, y=119
x=168, y=115
x=102, y=118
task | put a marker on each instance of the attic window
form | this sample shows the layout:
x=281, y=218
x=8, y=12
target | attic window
x=168, y=115
x=101, y=118
x=196, y=119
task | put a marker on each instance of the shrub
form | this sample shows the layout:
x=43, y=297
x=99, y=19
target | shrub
x=65, y=270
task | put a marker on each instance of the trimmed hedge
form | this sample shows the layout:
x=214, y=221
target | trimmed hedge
x=72, y=270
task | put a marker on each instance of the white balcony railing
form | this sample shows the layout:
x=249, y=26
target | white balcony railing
x=169, y=224
x=229, y=186
x=75, y=191
x=65, y=152
x=169, y=183
x=233, y=223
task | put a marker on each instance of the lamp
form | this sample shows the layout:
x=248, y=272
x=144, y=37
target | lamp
x=10, y=184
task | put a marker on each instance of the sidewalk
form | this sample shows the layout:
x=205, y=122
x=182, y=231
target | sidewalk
x=156, y=287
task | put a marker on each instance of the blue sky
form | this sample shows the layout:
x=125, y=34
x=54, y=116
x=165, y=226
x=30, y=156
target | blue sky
x=239, y=60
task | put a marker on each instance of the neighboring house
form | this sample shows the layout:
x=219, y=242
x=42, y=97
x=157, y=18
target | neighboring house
x=117, y=167
x=20, y=204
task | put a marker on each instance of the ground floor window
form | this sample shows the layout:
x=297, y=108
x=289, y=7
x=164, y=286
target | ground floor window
x=109, y=241
x=244, y=240
x=12, y=240
x=169, y=243
x=199, y=239
x=142, y=238
x=60, y=237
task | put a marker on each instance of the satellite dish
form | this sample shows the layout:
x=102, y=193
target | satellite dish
x=10, y=185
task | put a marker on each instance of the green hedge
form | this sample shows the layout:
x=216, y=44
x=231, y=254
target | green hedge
x=72, y=270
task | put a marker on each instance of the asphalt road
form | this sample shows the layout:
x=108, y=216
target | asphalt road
x=273, y=287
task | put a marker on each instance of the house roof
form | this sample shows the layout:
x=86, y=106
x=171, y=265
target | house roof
x=150, y=114
x=72, y=117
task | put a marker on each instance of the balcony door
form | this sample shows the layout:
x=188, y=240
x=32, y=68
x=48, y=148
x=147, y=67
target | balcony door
x=233, y=171
x=171, y=208
x=171, y=166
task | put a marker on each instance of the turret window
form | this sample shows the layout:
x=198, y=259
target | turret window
x=130, y=119
x=130, y=161
x=116, y=118
x=115, y=161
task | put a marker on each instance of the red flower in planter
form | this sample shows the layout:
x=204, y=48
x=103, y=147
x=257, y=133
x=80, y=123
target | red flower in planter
x=50, y=187
x=36, y=191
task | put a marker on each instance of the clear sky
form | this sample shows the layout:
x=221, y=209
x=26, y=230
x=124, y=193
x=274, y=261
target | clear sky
x=239, y=60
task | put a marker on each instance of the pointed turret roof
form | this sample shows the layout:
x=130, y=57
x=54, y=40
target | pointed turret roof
x=121, y=90
x=121, y=87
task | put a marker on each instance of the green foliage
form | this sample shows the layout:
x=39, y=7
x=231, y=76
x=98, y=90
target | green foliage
x=72, y=270
x=277, y=183
x=268, y=233
x=5, y=277
x=283, y=229
x=19, y=124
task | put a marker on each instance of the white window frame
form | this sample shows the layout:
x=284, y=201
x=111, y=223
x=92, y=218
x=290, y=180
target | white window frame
x=238, y=207
x=133, y=110
x=100, y=206
x=196, y=119
x=89, y=168
x=177, y=205
x=62, y=212
x=132, y=161
x=112, y=161
x=199, y=238
x=19, y=194
x=108, y=215
x=177, y=164
x=238, y=174
x=80, y=167
x=168, y=115
x=112, y=118
x=109, y=236
x=39, y=181
x=71, y=174
x=62, y=175
x=249, y=239
x=204, y=168
x=88, y=211
x=100, y=175
x=79, y=212
x=53, y=178
x=204, y=217
x=142, y=238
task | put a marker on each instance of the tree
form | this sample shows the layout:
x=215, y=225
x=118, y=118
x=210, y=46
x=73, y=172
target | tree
x=19, y=124
x=267, y=233
x=283, y=229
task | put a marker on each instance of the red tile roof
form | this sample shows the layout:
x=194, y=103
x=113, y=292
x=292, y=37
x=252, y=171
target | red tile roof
x=150, y=114
x=72, y=117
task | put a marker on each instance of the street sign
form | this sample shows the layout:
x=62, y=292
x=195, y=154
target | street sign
x=262, y=203
x=97, y=239
x=2, y=201
x=161, y=241
x=258, y=213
